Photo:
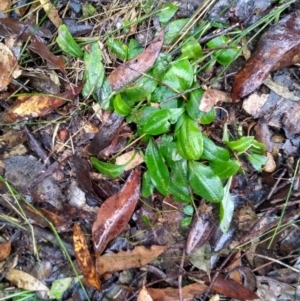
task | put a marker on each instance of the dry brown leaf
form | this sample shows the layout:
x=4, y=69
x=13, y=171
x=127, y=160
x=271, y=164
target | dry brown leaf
x=211, y=97
x=8, y=65
x=132, y=69
x=172, y=294
x=5, y=249
x=123, y=260
x=31, y=106
x=278, y=48
x=270, y=166
x=26, y=281
x=5, y=4
x=51, y=11
x=84, y=259
x=116, y=211
x=144, y=295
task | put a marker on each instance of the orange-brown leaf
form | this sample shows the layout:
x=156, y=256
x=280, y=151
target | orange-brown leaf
x=138, y=257
x=132, y=69
x=5, y=249
x=84, y=259
x=172, y=294
x=232, y=289
x=115, y=212
x=277, y=49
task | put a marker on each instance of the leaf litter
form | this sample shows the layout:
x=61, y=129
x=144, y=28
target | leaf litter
x=131, y=227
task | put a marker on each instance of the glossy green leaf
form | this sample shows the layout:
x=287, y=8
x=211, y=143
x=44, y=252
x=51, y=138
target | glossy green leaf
x=226, y=208
x=188, y=210
x=66, y=42
x=223, y=56
x=192, y=107
x=204, y=182
x=173, y=30
x=118, y=47
x=161, y=65
x=179, y=76
x=161, y=93
x=167, y=12
x=147, y=185
x=180, y=194
x=191, y=49
x=157, y=168
x=224, y=169
x=120, y=106
x=258, y=147
x=189, y=139
x=213, y=152
x=109, y=169
x=146, y=220
x=207, y=118
x=241, y=145
x=134, y=48
x=257, y=161
x=185, y=222
x=179, y=172
x=105, y=94
x=140, y=90
x=157, y=123
x=94, y=70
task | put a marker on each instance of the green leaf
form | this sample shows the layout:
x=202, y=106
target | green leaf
x=157, y=123
x=185, y=222
x=226, y=208
x=134, y=48
x=120, y=106
x=117, y=47
x=224, y=169
x=241, y=145
x=157, y=168
x=189, y=139
x=257, y=161
x=167, y=12
x=147, y=185
x=161, y=65
x=192, y=107
x=139, y=91
x=94, y=70
x=188, y=210
x=105, y=94
x=179, y=76
x=213, y=152
x=191, y=49
x=179, y=173
x=66, y=42
x=204, y=182
x=145, y=220
x=207, y=117
x=258, y=147
x=161, y=93
x=109, y=169
x=173, y=30
x=223, y=56
x=180, y=194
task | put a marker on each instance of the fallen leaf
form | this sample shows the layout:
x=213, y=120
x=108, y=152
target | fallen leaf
x=270, y=166
x=231, y=289
x=200, y=232
x=211, y=97
x=8, y=64
x=115, y=212
x=132, y=159
x=84, y=259
x=278, y=48
x=26, y=281
x=51, y=12
x=31, y=106
x=38, y=46
x=254, y=102
x=144, y=295
x=5, y=4
x=106, y=134
x=172, y=294
x=123, y=260
x=134, y=68
x=5, y=249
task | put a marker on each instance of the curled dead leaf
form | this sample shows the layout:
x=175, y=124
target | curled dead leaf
x=211, y=97
x=84, y=258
